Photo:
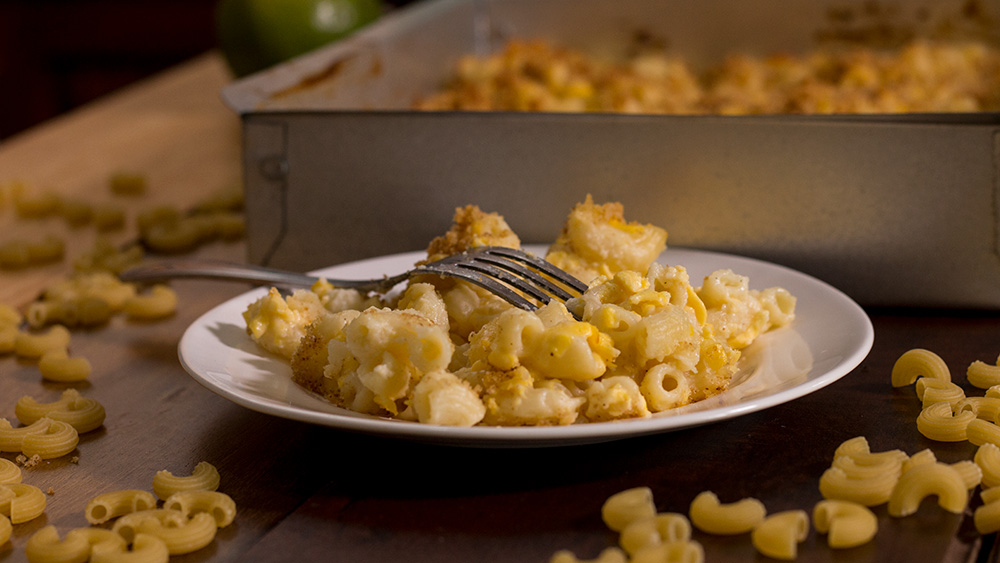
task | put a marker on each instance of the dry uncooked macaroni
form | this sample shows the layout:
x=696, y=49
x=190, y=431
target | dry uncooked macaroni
x=160, y=302
x=110, y=505
x=179, y=533
x=778, y=535
x=24, y=502
x=608, y=555
x=919, y=362
x=12, y=439
x=988, y=459
x=9, y=472
x=56, y=365
x=46, y=546
x=220, y=505
x=35, y=344
x=644, y=535
x=625, y=507
x=662, y=528
x=204, y=477
x=82, y=413
x=6, y=529
x=924, y=480
x=58, y=439
x=982, y=375
x=847, y=524
x=711, y=516
x=145, y=548
x=937, y=422
x=932, y=390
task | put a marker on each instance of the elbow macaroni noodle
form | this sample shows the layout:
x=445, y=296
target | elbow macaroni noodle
x=711, y=516
x=778, y=535
x=35, y=345
x=56, y=365
x=161, y=302
x=937, y=422
x=924, y=480
x=982, y=375
x=6, y=529
x=625, y=507
x=9, y=472
x=846, y=524
x=219, y=505
x=82, y=413
x=204, y=477
x=58, y=439
x=23, y=502
x=919, y=363
x=179, y=533
x=988, y=459
x=932, y=390
x=145, y=548
x=113, y=504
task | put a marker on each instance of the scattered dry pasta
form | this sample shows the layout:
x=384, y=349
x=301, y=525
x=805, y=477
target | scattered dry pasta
x=6, y=529
x=160, y=302
x=46, y=546
x=847, y=524
x=918, y=362
x=127, y=184
x=26, y=503
x=12, y=439
x=145, y=548
x=608, y=555
x=778, y=535
x=179, y=533
x=220, y=505
x=108, y=218
x=58, y=439
x=204, y=477
x=983, y=375
x=625, y=507
x=980, y=432
x=681, y=552
x=35, y=344
x=711, y=516
x=110, y=505
x=56, y=365
x=36, y=205
x=988, y=459
x=9, y=472
x=937, y=422
x=932, y=390
x=670, y=527
x=925, y=480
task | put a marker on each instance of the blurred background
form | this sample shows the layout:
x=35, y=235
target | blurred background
x=56, y=55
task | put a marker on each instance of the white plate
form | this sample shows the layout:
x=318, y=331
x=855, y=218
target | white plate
x=830, y=336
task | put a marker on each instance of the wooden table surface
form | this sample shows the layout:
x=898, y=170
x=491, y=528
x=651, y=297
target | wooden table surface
x=307, y=492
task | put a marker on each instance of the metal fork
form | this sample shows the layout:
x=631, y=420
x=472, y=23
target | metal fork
x=521, y=279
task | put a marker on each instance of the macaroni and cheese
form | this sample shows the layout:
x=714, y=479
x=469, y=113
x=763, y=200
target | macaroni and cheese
x=641, y=339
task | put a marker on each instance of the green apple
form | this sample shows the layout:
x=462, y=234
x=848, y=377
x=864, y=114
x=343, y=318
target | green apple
x=256, y=34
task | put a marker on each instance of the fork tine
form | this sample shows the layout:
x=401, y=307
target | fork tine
x=536, y=288
x=546, y=267
x=487, y=282
x=499, y=269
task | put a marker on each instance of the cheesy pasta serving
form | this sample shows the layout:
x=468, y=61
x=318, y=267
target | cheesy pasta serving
x=446, y=352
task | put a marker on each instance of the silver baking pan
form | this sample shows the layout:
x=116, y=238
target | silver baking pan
x=895, y=210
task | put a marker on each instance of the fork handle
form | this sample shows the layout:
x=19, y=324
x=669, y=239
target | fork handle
x=218, y=270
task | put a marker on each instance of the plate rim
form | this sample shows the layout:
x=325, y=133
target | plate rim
x=506, y=436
